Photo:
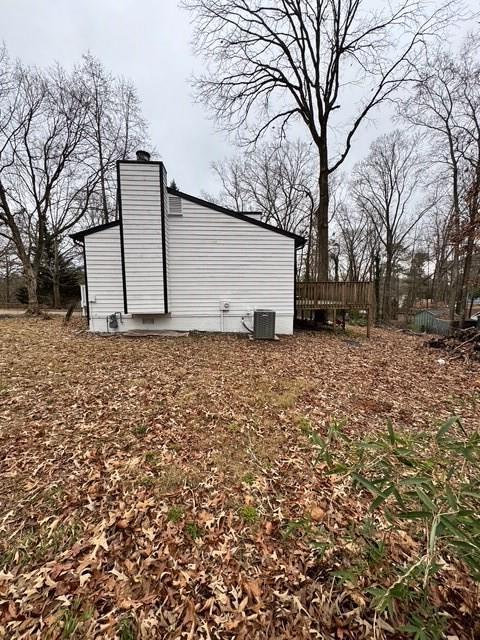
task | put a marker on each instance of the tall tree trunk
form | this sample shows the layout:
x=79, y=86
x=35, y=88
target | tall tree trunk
x=308, y=259
x=322, y=216
x=31, y=282
x=412, y=288
x=454, y=279
x=377, y=285
x=7, y=279
x=387, y=287
x=322, y=225
x=467, y=267
x=473, y=206
x=57, y=303
x=453, y=297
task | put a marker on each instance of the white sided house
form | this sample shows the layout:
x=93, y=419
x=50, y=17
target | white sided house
x=175, y=262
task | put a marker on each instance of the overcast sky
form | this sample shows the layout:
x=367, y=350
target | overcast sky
x=147, y=41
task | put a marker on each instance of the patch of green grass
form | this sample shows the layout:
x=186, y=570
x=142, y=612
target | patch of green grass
x=285, y=400
x=292, y=527
x=249, y=478
x=249, y=514
x=304, y=424
x=140, y=430
x=53, y=495
x=87, y=614
x=175, y=514
x=151, y=457
x=147, y=481
x=317, y=537
x=127, y=629
x=193, y=530
x=368, y=527
x=69, y=623
x=39, y=544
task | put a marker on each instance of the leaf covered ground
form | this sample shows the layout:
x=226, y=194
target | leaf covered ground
x=169, y=488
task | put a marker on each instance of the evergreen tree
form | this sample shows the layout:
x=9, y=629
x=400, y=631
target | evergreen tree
x=56, y=271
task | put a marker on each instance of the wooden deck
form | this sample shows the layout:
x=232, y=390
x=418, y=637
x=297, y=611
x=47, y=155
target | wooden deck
x=336, y=296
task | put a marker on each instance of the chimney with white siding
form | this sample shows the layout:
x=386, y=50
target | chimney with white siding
x=143, y=203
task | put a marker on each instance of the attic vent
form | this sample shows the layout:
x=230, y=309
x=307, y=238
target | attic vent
x=175, y=205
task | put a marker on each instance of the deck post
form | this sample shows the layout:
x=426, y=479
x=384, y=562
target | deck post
x=369, y=318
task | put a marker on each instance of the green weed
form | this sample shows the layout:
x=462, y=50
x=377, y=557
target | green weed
x=175, y=514
x=249, y=478
x=69, y=622
x=304, y=424
x=249, y=514
x=293, y=527
x=193, y=530
x=140, y=430
x=127, y=629
x=419, y=482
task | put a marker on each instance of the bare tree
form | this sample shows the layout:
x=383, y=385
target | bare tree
x=470, y=135
x=439, y=248
x=70, y=202
x=8, y=268
x=386, y=188
x=115, y=126
x=358, y=241
x=446, y=106
x=275, y=180
x=42, y=133
x=433, y=109
x=269, y=63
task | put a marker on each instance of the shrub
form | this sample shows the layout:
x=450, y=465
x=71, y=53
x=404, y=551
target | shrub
x=423, y=483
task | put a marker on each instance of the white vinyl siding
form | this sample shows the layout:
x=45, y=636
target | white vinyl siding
x=142, y=236
x=104, y=271
x=214, y=256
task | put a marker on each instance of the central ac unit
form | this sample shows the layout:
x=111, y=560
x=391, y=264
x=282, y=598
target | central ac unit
x=264, y=324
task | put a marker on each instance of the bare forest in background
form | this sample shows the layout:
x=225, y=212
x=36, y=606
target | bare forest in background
x=294, y=82
x=61, y=134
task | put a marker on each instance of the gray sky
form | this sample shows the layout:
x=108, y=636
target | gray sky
x=148, y=42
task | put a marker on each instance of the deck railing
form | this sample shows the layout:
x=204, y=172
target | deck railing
x=334, y=295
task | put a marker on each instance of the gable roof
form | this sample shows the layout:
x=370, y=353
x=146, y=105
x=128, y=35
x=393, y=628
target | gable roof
x=299, y=240
x=240, y=215
x=100, y=227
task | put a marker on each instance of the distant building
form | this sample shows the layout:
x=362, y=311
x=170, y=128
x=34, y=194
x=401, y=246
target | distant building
x=432, y=321
x=438, y=321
